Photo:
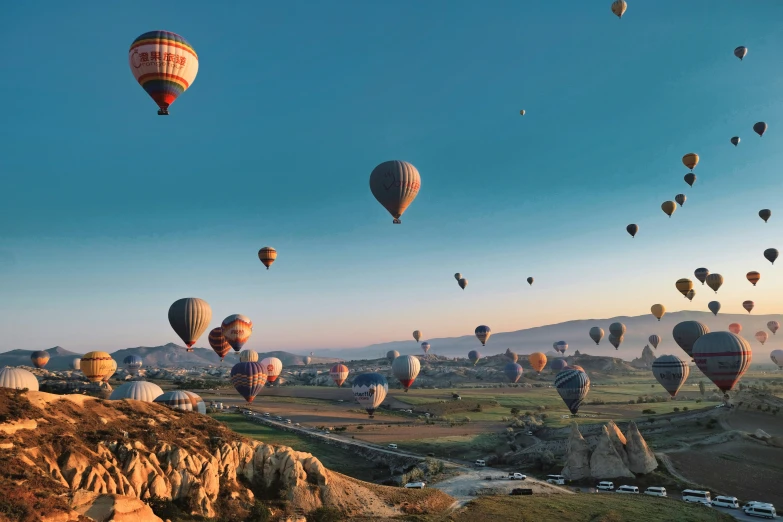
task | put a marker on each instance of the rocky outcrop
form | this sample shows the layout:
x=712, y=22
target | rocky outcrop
x=618, y=440
x=646, y=360
x=578, y=457
x=108, y=508
x=606, y=462
x=640, y=458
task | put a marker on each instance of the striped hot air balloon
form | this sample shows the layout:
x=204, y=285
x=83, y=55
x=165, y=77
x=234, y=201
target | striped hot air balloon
x=655, y=340
x=715, y=281
x=218, y=342
x=369, y=390
x=561, y=346
x=248, y=378
x=773, y=326
x=339, y=373
x=701, y=274
x=425, y=347
x=39, y=358
x=406, y=368
x=474, y=356
x=684, y=286
x=132, y=364
x=671, y=372
x=395, y=184
x=777, y=358
x=573, y=386
x=723, y=357
x=482, y=333
x=164, y=64
x=189, y=317
x=687, y=333
x=753, y=277
x=237, y=329
x=96, y=366
x=513, y=371
x=176, y=400
x=267, y=256
x=273, y=367
x=143, y=391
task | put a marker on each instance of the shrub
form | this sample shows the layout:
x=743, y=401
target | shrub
x=684, y=408
x=359, y=427
x=325, y=514
x=676, y=409
x=648, y=411
x=514, y=411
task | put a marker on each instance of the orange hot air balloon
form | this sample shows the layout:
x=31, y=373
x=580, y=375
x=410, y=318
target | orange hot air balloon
x=267, y=255
x=761, y=336
x=735, y=328
x=690, y=160
x=537, y=361
x=339, y=373
x=753, y=277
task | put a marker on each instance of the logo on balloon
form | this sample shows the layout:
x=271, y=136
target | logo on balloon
x=270, y=368
x=135, y=60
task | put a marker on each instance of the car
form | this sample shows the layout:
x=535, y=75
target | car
x=605, y=485
x=628, y=489
x=279, y=418
x=760, y=510
x=558, y=480
x=655, y=491
x=297, y=424
x=530, y=433
x=416, y=485
x=288, y=421
x=727, y=502
x=517, y=476
x=392, y=446
x=697, y=495
x=480, y=463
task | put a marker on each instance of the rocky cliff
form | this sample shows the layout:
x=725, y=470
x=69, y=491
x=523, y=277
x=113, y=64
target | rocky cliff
x=70, y=457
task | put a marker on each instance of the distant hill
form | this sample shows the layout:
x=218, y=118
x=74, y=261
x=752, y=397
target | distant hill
x=59, y=358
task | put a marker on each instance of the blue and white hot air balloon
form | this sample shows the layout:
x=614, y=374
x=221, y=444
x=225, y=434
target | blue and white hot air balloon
x=132, y=364
x=369, y=390
x=483, y=332
x=573, y=386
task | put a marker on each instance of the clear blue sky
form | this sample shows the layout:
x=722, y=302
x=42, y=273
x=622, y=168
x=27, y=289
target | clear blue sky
x=110, y=213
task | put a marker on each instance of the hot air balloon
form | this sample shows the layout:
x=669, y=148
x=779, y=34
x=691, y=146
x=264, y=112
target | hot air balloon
x=658, y=310
x=178, y=400
x=248, y=356
x=369, y=390
x=753, y=277
x=632, y=229
x=773, y=326
x=462, y=283
x=395, y=185
x=596, y=334
x=701, y=274
x=748, y=305
x=538, y=361
x=96, y=365
x=513, y=371
x=690, y=160
x=76, y=364
x=671, y=372
x=777, y=358
x=164, y=64
x=714, y=307
x=740, y=52
x=558, y=364
x=307, y=360
x=417, y=335
x=760, y=128
x=655, y=340
x=132, y=364
x=684, y=286
x=218, y=342
x=39, y=358
x=680, y=199
x=189, y=317
x=617, y=329
x=272, y=367
x=723, y=357
x=616, y=341
x=249, y=379
x=762, y=336
x=573, y=386
x=619, y=7
x=715, y=281
x=143, y=391
x=339, y=373
x=668, y=207
x=522, y=112
x=735, y=328
x=483, y=333
x=237, y=329
x=530, y=281
x=457, y=276
x=735, y=140
x=267, y=255
x=18, y=379
x=690, y=178
x=561, y=346
x=392, y=354
x=474, y=356
x=765, y=214
x=112, y=370
x=406, y=368
x=691, y=294
x=511, y=355
x=686, y=333
x=771, y=254
x=577, y=367
x=425, y=347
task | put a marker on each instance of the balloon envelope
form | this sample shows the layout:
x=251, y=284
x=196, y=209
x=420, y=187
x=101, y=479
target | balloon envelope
x=395, y=185
x=537, y=360
x=462, y=283
x=714, y=307
x=392, y=354
x=132, y=364
x=771, y=254
x=619, y=7
x=482, y=333
x=680, y=199
x=762, y=336
x=369, y=390
x=684, y=286
x=760, y=128
x=474, y=356
x=39, y=358
x=735, y=328
x=777, y=358
x=96, y=366
x=18, y=379
x=658, y=311
x=753, y=277
x=740, y=52
x=765, y=214
x=735, y=140
x=654, y=340
x=237, y=329
x=691, y=294
x=218, y=342
x=616, y=341
x=406, y=368
x=307, y=360
x=573, y=386
x=561, y=346
x=417, y=335
x=669, y=207
x=248, y=356
x=338, y=373
x=701, y=274
x=267, y=256
x=632, y=229
x=773, y=326
x=248, y=378
x=617, y=329
x=690, y=178
x=189, y=317
x=671, y=372
x=272, y=367
x=723, y=357
x=596, y=334
x=690, y=160
x=425, y=347
x=558, y=364
x=457, y=276
x=513, y=371
x=748, y=305
x=687, y=333
x=530, y=281
x=715, y=281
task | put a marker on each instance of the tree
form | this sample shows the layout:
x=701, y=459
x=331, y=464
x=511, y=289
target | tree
x=514, y=411
x=702, y=389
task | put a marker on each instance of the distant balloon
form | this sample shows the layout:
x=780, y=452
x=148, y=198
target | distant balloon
x=715, y=281
x=668, y=207
x=417, y=335
x=701, y=274
x=680, y=199
x=777, y=358
x=690, y=160
x=773, y=326
x=272, y=367
x=406, y=368
x=616, y=341
x=76, y=364
x=538, y=361
x=760, y=128
x=771, y=254
x=132, y=364
x=425, y=347
x=684, y=286
x=762, y=336
x=483, y=333
x=522, y=112
x=735, y=140
x=307, y=360
x=658, y=311
x=735, y=328
x=530, y=281
x=248, y=356
x=561, y=346
x=267, y=256
x=691, y=294
x=189, y=317
x=765, y=214
x=369, y=390
x=392, y=354
x=474, y=356
x=96, y=365
x=218, y=342
x=671, y=372
x=690, y=178
x=463, y=283
x=237, y=329
x=619, y=7
x=248, y=379
x=748, y=305
x=576, y=367
x=395, y=185
x=558, y=364
x=617, y=329
x=457, y=276
x=513, y=371
x=655, y=340
x=511, y=356
x=39, y=358
x=688, y=332
x=723, y=357
x=338, y=373
x=596, y=334
x=632, y=229
x=714, y=307
x=753, y=277
x=740, y=52
x=573, y=386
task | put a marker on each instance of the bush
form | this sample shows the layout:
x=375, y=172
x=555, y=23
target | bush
x=359, y=427
x=514, y=411
x=648, y=411
x=676, y=409
x=325, y=514
x=684, y=408
x=259, y=513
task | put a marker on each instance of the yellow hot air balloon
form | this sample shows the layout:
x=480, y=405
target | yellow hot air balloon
x=684, y=286
x=619, y=7
x=658, y=310
x=96, y=365
x=715, y=281
x=690, y=160
x=537, y=361
x=669, y=207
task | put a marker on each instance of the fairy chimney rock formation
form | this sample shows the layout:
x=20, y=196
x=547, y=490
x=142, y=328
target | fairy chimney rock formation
x=619, y=441
x=606, y=462
x=640, y=457
x=577, y=457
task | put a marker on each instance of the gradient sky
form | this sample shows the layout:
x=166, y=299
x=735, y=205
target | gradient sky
x=110, y=213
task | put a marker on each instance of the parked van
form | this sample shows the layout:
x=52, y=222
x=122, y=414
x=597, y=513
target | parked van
x=605, y=486
x=727, y=502
x=760, y=510
x=556, y=479
x=627, y=489
x=697, y=495
x=392, y=446
x=480, y=463
x=655, y=491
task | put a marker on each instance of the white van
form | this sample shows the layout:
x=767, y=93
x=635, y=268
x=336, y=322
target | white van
x=760, y=510
x=558, y=480
x=392, y=446
x=655, y=491
x=627, y=489
x=727, y=502
x=605, y=486
x=697, y=495
x=480, y=463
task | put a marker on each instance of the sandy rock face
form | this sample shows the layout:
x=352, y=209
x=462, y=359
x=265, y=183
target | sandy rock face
x=577, y=457
x=618, y=440
x=615, y=455
x=640, y=457
x=117, y=508
x=605, y=462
